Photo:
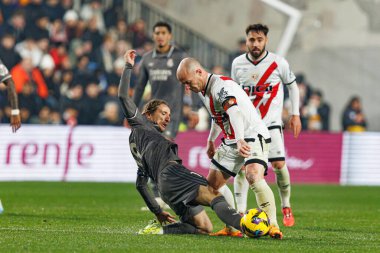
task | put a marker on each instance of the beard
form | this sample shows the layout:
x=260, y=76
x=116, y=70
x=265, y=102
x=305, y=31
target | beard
x=256, y=54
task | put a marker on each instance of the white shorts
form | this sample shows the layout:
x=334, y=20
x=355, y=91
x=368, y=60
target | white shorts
x=228, y=160
x=277, y=147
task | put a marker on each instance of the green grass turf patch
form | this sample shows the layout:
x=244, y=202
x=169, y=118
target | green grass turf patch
x=104, y=217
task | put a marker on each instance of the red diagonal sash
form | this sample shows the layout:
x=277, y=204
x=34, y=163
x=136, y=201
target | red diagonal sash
x=259, y=95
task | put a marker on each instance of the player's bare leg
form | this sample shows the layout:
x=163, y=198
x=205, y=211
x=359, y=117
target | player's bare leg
x=283, y=183
x=203, y=222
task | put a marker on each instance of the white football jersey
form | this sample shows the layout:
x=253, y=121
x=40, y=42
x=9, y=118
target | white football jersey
x=220, y=94
x=263, y=82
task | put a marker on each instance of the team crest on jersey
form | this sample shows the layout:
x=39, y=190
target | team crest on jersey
x=255, y=77
x=3, y=70
x=170, y=63
x=222, y=95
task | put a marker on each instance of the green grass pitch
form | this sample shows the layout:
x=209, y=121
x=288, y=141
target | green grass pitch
x=104, y=217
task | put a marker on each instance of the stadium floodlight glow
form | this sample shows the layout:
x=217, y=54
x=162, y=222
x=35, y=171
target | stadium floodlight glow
x=291, y=27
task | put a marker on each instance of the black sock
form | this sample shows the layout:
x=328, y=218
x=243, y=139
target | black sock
x=226, y=213
x=180, y=228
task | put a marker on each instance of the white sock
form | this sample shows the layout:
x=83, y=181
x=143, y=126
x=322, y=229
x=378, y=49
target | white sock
x=241, y=187
x=265, y=199
x=283, y=183
x=227, y=193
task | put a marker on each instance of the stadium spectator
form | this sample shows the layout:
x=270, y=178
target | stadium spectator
x=34, y=10
x=114, y=14
x=139, y=33
x=7, y=52
x=92, y=12
x=57, y=32
x=246, y=138
x=55, y=117
x=40, y=28
x=93, y=33
x=110, y=116
x=24, y=73
x=54, y=9
x=106, y=56
x=71, y=24
x=122, y=31
x=353, y=119
x=72, y=105
x=16, y=25
x=184, y=190
x=92, y=104
x=29, y=101
x=316, y=113
x=7, y=7
x=43, y=116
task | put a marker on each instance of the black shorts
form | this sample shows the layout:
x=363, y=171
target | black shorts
x=179, y=187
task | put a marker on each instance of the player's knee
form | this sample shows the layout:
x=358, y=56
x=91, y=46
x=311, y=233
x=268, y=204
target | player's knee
x=278, y=164
x=216, y=184
x=253, y=176
x=213, y=192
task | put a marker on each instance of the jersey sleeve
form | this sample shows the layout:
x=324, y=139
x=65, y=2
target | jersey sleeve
x=129, y=108
x=225, y=95
x=142, y=188
x=4, y=72
x=287, y=76
x=233, y=71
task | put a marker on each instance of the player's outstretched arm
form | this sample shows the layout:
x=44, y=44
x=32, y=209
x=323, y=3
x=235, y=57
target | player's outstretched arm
x=129, y=108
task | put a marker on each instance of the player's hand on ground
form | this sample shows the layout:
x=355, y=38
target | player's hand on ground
x=295, y=125
x=15, y=122
x=164, y=217
x=130, y=56
x=210, y=149
x=243, y=148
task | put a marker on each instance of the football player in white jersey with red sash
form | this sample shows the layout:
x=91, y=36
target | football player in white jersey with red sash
x=262, y=75
x=246, y=138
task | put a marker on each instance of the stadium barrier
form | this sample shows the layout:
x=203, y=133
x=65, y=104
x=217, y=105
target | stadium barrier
x=62, y=153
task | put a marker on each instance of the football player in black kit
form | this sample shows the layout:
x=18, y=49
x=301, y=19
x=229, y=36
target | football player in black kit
x=183, y=190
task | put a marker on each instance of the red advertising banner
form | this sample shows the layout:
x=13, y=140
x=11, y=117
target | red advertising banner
x=312, y=158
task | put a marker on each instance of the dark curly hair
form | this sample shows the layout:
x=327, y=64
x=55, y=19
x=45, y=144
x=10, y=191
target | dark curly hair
x=257, y=28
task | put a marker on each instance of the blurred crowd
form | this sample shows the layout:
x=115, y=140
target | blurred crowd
x=66, y=66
